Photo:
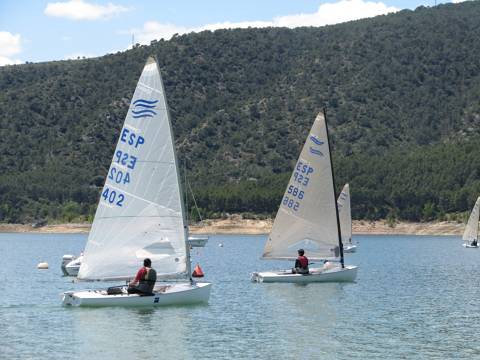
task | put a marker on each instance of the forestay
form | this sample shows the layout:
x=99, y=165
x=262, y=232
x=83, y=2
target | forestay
x=345, y=214
x=307, y=215
x=140, y=212
x=471, y=231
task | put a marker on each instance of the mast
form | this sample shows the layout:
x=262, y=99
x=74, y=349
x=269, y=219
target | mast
x=476, y=224
x=186, y=189
x=340, y=244
x=185, y=224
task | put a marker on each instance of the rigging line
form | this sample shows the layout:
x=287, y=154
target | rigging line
x=195, y=202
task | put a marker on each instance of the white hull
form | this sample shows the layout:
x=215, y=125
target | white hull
x=72, y=270
x=468, y=246
x=349, y=249
x=197, y=240
x=72, y=267
x=66, y=260
x=166, y=294
x=336, y=274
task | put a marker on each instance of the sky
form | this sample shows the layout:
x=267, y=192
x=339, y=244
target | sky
x=38, y=30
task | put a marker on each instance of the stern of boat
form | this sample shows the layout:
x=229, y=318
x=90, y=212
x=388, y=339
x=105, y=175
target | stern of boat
x=69, y=299
x=255, y=277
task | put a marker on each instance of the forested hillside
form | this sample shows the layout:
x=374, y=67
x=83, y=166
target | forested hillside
x=402, y=96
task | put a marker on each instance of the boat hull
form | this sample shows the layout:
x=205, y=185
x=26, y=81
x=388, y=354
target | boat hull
x=468, y=246
x=168, y=294
x=72, y=268
x=349, y=249
x=197, y=240
x=337, y=274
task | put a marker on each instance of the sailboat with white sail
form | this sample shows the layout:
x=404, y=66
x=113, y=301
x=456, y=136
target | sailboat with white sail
x=308, y=217
x=470, y=235
x=141, y=211
x=345, y=214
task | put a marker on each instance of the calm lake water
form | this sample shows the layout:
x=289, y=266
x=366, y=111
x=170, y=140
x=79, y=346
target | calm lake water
x=416, y=297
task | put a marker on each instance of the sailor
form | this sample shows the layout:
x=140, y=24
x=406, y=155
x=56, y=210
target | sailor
x=474, y=242
x=144, y=281
x=301, y=263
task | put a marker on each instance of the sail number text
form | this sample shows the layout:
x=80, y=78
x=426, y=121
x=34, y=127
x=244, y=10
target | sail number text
x=113, y=197
x=119, y=176
x=295, y=192
x=125, y=159
x=129, y=137
x=301, y=177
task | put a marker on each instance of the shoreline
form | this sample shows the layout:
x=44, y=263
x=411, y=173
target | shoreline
x=237, y=225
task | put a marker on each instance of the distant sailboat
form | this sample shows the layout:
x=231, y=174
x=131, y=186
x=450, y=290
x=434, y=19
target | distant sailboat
x=308, y=217
x=470, y=235
x=345, y=214
x=71, y=264
x=141, y=212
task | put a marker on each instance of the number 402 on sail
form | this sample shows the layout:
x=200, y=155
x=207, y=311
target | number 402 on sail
x=113, y=197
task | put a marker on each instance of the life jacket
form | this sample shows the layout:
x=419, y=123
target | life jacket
x=147, y=284
x=303, y=262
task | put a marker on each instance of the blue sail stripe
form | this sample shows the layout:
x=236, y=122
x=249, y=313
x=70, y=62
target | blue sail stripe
x=316, y=152
x=145, y=101
x=316, y=141
x=142, y=116
x=145, y=106
x=144, y=112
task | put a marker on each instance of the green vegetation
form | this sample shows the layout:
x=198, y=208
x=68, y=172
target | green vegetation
x=402, y=93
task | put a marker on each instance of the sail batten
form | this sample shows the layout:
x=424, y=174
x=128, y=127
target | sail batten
x=140, y=212
x=307, y=216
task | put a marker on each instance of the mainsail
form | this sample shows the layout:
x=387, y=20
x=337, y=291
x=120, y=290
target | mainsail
x=307, y=216
x=345, y=214
x=140, y=212
x=471, y=231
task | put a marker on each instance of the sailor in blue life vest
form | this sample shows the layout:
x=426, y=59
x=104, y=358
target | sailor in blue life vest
x=301, y=263
x=144, y=281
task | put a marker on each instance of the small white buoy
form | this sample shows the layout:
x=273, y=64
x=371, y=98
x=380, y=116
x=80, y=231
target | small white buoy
x=220, y=245
x=42, y=265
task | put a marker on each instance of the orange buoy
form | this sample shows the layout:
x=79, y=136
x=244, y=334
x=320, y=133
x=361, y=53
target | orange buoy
x=197, y=272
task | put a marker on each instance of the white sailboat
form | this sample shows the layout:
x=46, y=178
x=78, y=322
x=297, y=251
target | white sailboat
x=308, y=217
x=141, y=212
x=470, y=235
x=71, y=264
x=345, y=214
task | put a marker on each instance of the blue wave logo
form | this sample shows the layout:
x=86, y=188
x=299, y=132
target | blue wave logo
x=144, y=108
x=316, y=152
x=316, y=141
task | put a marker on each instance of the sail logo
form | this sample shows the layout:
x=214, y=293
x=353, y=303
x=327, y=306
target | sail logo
x=318, y=142
x=144, y=108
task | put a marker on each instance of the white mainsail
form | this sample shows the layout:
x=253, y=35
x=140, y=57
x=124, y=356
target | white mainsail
x=140, y=212
x=307, y=216
x=471, y=231
x=345, y=214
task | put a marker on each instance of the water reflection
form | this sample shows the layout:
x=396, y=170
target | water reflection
x=138, y=332
x=307, y=316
